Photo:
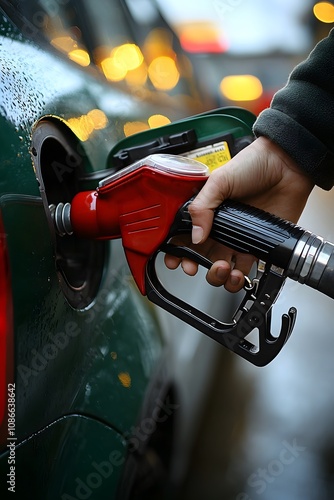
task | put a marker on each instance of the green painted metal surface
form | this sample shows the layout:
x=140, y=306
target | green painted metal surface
x=74, y=458
x=94, y=364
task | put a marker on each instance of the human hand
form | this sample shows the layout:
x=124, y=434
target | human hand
x=261, y=175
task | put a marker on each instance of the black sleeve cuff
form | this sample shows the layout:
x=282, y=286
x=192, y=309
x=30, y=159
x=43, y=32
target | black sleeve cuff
x=302, y=146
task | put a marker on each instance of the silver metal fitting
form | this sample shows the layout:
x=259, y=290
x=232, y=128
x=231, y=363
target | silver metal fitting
x=61, y=215
x=309, y=259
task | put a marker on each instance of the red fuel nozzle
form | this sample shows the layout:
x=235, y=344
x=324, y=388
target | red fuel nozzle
x=138, y=204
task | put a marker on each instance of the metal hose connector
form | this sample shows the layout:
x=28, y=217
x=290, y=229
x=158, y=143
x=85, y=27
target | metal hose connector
x=310, y=259
x=61, y=215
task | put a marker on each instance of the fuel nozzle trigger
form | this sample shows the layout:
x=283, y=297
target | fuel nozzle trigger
x=253, y=313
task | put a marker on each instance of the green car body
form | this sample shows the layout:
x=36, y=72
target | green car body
x=90, y=379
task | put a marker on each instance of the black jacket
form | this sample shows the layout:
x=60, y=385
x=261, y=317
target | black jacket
x=301, y=116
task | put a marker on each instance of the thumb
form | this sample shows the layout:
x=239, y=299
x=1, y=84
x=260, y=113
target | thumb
x=202, y=210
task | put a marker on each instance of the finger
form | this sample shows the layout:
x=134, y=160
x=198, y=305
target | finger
x=235, y=281
x=172, y=262
x=242, y=266
x=243, y=262
x=216, y=189
x=219, y=273
x=231, y=273
x=202, y=207
x=189, y=267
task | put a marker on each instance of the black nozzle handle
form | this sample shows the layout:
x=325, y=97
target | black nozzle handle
x=303, y=256
x=248, y=230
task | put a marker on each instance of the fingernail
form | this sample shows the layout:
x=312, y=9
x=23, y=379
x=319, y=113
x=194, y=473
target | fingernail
x=197, y=234
x=235, y=280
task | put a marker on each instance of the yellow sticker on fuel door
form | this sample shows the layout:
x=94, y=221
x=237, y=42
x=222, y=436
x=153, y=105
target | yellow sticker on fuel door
x=213, y=156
